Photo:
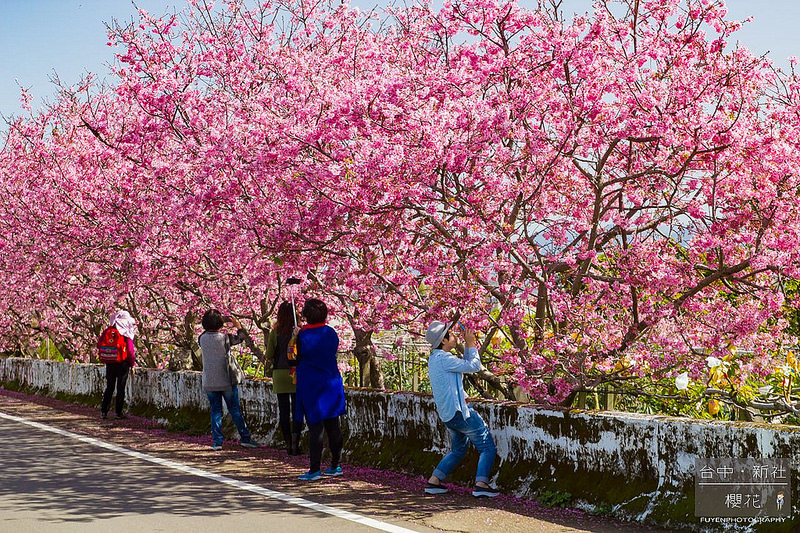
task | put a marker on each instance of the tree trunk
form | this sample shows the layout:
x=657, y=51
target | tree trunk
x=375, y=373
x=370, y=374
x=144, y=339
x=264, y=324
x=189, y=356
x=65, y=351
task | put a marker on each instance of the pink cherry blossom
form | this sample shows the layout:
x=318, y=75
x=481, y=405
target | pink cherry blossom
x=615, y=196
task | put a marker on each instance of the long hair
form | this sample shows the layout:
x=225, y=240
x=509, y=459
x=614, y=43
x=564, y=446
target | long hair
x=285, y=321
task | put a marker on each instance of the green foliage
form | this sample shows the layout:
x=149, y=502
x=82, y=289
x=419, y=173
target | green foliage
x=48, y=350
x=188, y=423
x=602, y=509
x=792, y=291
x=554, y=498
x=403, y=369
x=407, y=372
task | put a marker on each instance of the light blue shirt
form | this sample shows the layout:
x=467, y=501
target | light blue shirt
x=445, y=371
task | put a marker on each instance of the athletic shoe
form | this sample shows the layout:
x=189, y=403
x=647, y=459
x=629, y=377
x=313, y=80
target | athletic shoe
x=216, y=447
x=433, y=488
x=121, y=416
x=250, y=444
x=485, y=492
x=333, y=472
x=310, y=476
x=103, y=415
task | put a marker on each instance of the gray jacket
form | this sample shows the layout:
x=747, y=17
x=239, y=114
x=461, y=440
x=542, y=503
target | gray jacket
x=215, y=359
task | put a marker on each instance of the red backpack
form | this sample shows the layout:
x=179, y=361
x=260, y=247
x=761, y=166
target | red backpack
x=112, y=347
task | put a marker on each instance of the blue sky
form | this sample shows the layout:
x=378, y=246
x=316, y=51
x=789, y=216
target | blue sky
x=42, y=38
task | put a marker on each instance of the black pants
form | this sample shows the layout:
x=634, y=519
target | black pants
x=285, y=410
x=116, y=374
x=331, y=427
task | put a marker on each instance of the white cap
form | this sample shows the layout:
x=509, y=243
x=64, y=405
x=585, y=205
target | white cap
x=436, y=332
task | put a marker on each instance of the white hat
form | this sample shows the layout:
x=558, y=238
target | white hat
x=436, y=333
x=124, y=322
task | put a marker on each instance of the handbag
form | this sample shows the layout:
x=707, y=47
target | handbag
x=234, y=370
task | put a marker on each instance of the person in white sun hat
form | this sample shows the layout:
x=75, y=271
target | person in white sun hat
x=446, y=370
x=116, y=350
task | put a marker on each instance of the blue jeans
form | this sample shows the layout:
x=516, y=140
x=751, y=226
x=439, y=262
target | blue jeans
x=232, y=401
x=474, y=430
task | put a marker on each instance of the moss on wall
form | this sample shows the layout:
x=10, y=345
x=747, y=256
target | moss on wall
x=79, y=399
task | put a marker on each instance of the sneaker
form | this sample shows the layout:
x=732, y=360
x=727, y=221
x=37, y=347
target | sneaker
x=485, y=492
x=433, y=488
x=216, y=447
x=103, y=415
x=121, y=416
x=310, y=476
x=250, y=444
x=333, y=472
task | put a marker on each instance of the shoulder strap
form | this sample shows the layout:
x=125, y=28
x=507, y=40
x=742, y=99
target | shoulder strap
x=122, y=343
x=102, y=337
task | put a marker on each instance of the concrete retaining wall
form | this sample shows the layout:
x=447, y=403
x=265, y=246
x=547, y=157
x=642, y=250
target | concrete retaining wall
x=641, y=466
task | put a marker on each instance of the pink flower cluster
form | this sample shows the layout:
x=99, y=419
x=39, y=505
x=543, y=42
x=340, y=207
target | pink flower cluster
x=610, y=195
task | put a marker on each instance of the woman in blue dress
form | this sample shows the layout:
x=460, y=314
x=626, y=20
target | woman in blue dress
x=320, y=390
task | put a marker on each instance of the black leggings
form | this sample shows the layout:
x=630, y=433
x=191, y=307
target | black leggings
x=116, y=374
x=331, y=427
x=285, y=409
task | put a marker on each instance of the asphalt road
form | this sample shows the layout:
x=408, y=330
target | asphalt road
x=64, y=470
x=55, y=483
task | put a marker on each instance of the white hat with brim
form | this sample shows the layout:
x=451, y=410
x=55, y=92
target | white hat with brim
x=436, y=333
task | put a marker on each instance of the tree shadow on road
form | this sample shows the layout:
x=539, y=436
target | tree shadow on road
x=75, y=482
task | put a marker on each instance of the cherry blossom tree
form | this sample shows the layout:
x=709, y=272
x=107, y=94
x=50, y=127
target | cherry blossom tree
x=611, y=198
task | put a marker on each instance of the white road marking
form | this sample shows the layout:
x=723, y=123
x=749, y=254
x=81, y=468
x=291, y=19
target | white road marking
x=275, y=495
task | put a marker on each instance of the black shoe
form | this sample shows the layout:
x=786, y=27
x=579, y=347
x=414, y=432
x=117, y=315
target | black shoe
x=485, y=492
x=433, y=488
x=121, y=416
x=104, y=415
